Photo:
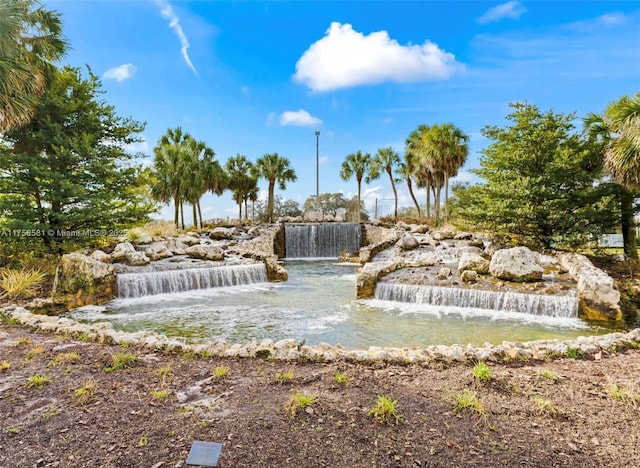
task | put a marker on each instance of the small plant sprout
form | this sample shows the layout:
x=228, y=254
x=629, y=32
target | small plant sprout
x=4, y=365
x=283, y=376
x=384, y=410
x=544, y=405
x=573, y=353
x=220, y=372
x=38, y=381
x=34, y=352
x=468, y=399
x=120, y=361
x=163, y=372
x=299, y=401
x=84, y=394
x=623, y=394
x=21, y=342
x=65, y=358
x=547, y=374
x=143, y=442
x=481, y=372
x=13, y=430
x=159, y=395
x=341, y=378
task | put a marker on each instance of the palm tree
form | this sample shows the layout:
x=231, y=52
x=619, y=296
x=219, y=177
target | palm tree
x=30, y=41
x=356, y=164
x=452, y=150
x=274, y=168
x=240, y=180
x=387, y=159
x=416, y=160
x=406, y=170
x=618, y=129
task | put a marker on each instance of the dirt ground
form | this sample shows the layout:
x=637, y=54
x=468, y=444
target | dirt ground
x=84, y=412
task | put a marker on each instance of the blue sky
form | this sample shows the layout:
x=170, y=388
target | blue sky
x=260, y=77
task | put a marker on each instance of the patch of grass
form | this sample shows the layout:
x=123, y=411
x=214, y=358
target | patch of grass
x=547, y=374
x=543, y=405
x=573, y=353
x=299, y=401
x=121, y=361
x=85, y=393
x=4, y=365
x=481, y=372
x=159, y=395
x=623, y=394
x=20, y=283
x=51, y=413
x=34, y=352
x=143, y=442
x=341, y=378
x=65, y=358
x=13, y=430
x=384, y=411
x=163, y=372
x=220, y=372
x=189, y=355
x=21, y=342
x=38, y=381
x=285, y=376
x=468, y=400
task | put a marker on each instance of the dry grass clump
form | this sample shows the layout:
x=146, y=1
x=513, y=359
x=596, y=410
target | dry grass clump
x=20, y=284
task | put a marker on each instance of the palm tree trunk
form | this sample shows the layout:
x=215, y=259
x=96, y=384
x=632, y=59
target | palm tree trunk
x=436, y=201
x=359, y=185
x=272, y=184
x=246, y=209
x=195, y=214
x=182, y=214
x=395, y=195
x=628, y=224
x=446, y=196
x=200, y=214
x=413, y=197
x=240, y=210
x=176, y=215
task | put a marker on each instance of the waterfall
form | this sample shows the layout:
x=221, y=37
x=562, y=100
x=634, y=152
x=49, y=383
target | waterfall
x=172, y=281
x=322, y=240
x=536, y=304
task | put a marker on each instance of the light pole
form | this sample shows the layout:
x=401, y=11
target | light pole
x=317, y=169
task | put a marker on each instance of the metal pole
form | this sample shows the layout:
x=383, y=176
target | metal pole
x=317, y=170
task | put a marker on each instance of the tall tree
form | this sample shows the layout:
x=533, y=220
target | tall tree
x=406, y=171
x=30, y=42
x=540, y=182
x=356, y=164
x=274, y=168
x=68, y=170
x=618, y=129
x=416, y=164
x=385, y=159
x=241, y=181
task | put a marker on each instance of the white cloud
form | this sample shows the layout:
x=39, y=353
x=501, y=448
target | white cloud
x=512, y=10
x=137, y=147
x=300, y=118
x=345, y=58
x=166, y=10
x=121, y=73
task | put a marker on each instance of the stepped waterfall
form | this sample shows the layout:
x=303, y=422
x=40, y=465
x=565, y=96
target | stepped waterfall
x=131, y=285
x=322, y=240
x=535, y=304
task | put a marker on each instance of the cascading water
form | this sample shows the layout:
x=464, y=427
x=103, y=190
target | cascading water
x=535, y=304
x=323, y=240
x=132, y=285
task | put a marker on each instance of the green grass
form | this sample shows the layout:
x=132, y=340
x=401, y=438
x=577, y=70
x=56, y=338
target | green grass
x=163, y=372
x=341, y=378
x=384, y=411
x=299, y=401
x=285, y=376
x=623, y=394
x=481, y=372
x=21, y=342
x=38, y=381
x=159, y=395
x=543, y=405
x=468, y=400
x=573, y=353
x=220, y=372
x=13, y=430
x=121, y=361
x=65, y=358
x=547, y=374
x=4, y=365
x=85, y=393
x=34, y=352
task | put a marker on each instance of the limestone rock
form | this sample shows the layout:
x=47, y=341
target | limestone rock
x=177, y=247
x=516, y=264
x=136, y=259
x=421, y=229
x=408, y=242
x=205, y=252
x=101, y=256
x=473, y=262
x=369, y=274
x=443, y=273
x=329, y=218
x=463, y=236
x=275, y=271
x=469, y=276
x=86, y=269
x=189, y=239
x=144, y=239
x=121, y=250
x=312, y=216
x=157, y=251
x=222, y=233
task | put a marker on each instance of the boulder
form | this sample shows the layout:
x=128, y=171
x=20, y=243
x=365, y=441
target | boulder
x=443, y=273
x=136, y=259
x=421, y=229
x=312, y=216
x=463, y=236
x=176, y=246
x=329, y=218
x=369, y=274
x=516, y=264
x=222, y=233
x=86, y=269
x=101, y=256
x=121, y=250
x=275, y=271
x=408, y=242
x=469, y=276
x=144, y=239
x=205, y=252
x=473, y=262
x=157, y=251
x=189, y=239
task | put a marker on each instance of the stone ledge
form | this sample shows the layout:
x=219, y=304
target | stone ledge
x=290, y=349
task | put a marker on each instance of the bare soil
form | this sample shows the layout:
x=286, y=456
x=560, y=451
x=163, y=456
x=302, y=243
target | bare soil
x=565, y=412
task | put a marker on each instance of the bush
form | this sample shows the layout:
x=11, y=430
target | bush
x=20, y=283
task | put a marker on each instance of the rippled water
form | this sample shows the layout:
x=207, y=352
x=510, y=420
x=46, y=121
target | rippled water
x=317, y=304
